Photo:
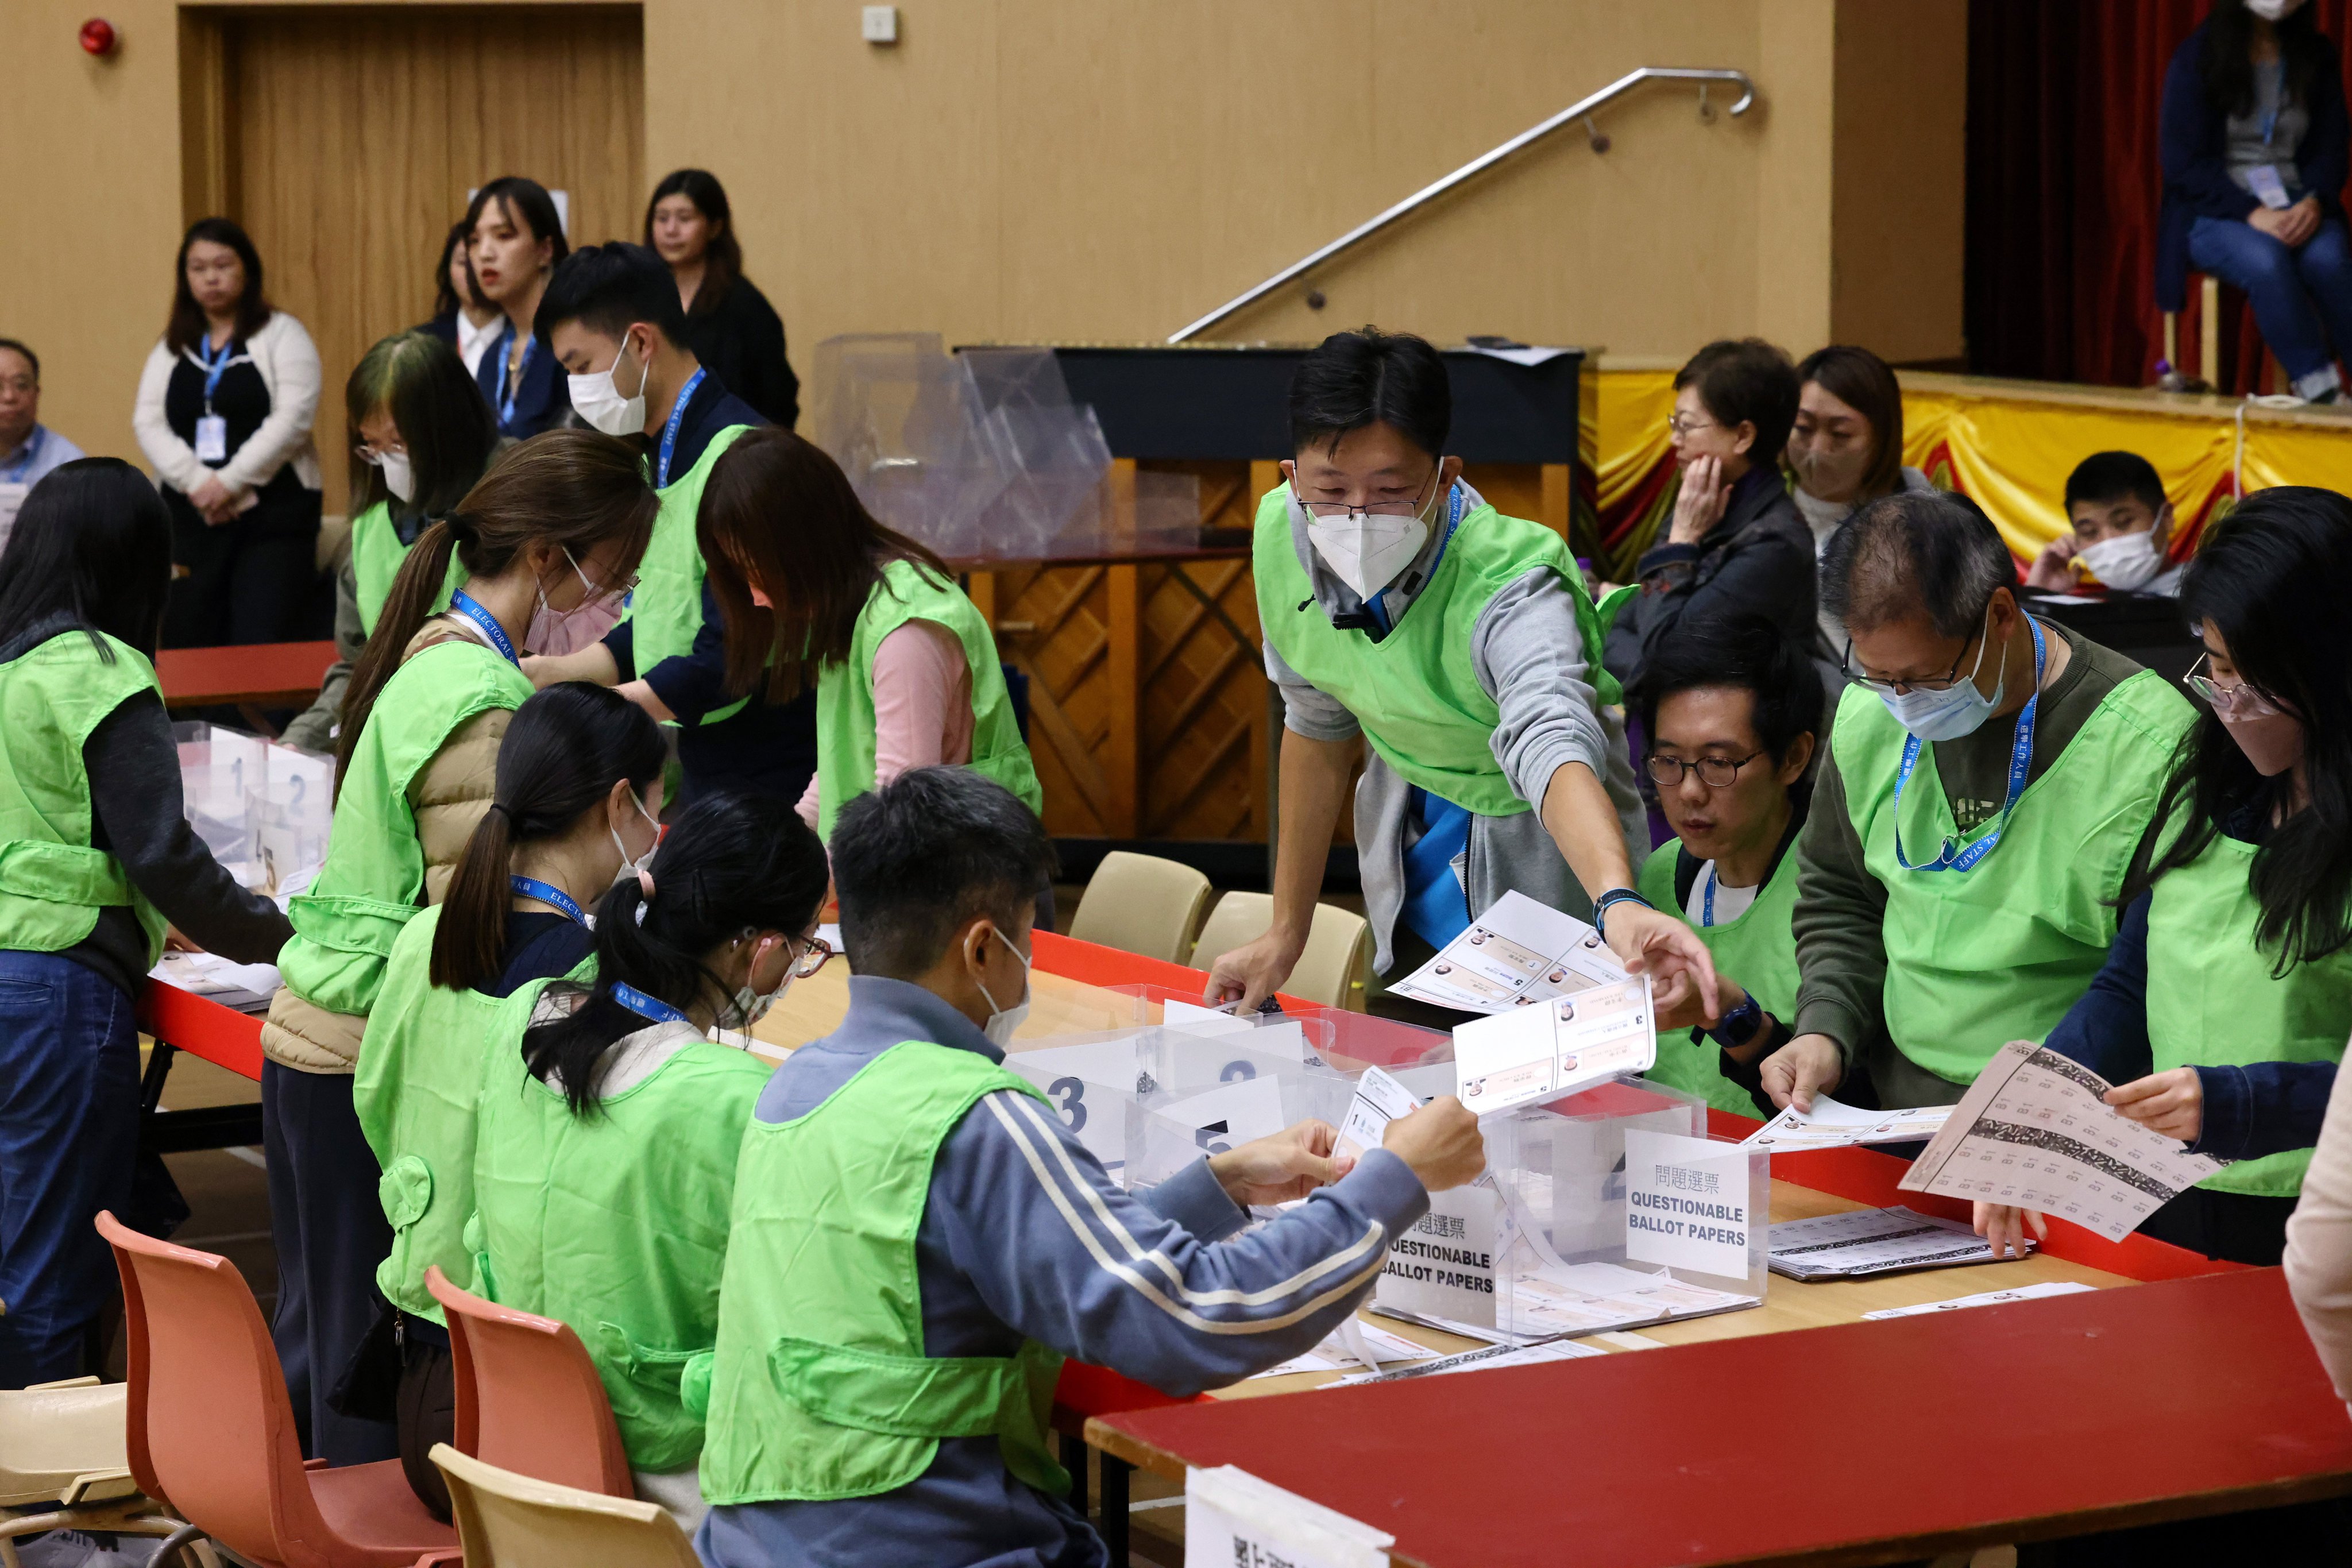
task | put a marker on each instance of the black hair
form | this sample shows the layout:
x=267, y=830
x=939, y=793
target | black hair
x=444, y=299
x=722, y=257
x=438, y=409
x=609, y=288
x=729, y=863
x=2113, y=476
x=2228, y=64
x=1915, y=552
x=1747, y=381
x=1746, y=652
x=526, y=204
x=1352, y=379
x=563, y=751
x=186, y=326
x=30, y=357
x=1865, y=383
x=92, y=542
x=916, y=859
x=2273, y=577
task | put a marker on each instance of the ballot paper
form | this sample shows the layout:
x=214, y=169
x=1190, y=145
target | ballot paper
x=1233, y=1519
x=1272, y=1035
x=1354, y=1344
x=1380, y=1100
x=246, y=987
x=1542, y=1052
x=1518, y=953
x=1862, y=1242
x=2032, y=1132
x=1830, y=1125
x=1486, y=1359
x=1985, y=1298
x=1552, y=1302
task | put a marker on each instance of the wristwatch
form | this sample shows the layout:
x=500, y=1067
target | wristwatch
x=1741, y=1025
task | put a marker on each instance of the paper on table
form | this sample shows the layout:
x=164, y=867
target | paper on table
x=1539, y=1053
x=239, y=985
x=1380, y=1100
x=1232, y=1517
x=2033, y=1132
x=1484, y=1360
x=1584, y=1299
x=1380, y=1347
x=1986, y=1299
x=1864, y=1242
x=1516, y=954
x=1831, y=1125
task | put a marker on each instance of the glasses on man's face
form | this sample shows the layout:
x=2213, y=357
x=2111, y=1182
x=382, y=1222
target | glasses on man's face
x=1407, y=507
x=1943, y=682
x=813, y=951
x=1715, y=773
x=2234, y=701
x=1682, y=426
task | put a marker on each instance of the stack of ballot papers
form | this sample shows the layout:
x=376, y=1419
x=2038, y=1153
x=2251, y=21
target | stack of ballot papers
x=1516, y=954
x=1830, y=1125
x=1864, y=1242
x=1488, y=1359
x=1557, y=1302
x=1986, y=1299
x=245, y=987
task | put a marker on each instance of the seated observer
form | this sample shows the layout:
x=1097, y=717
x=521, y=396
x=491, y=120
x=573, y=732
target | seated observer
x=1989, y=777
x=846, y=1425
x=29, y=450
x=2118, y=524
x=2221, y=1011
x=1730, y=707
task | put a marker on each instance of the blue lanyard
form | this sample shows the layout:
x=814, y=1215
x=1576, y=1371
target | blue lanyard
x=1706, y=902
x=2020, y=762
x=548, y=893
x=513, y=383
x=465, y=605
x=645, y=1006
x=27, y=457
x=215, y=366
x=669, y=431
x=1453, y=521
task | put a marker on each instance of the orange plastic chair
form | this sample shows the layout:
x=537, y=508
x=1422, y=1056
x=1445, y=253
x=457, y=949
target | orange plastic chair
x=211, y=1428
x=529, y=1399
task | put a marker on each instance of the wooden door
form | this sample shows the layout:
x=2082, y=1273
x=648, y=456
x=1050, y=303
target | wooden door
x=347, y=139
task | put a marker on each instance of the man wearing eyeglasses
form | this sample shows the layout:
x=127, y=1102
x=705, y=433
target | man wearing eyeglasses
x=29, y=449
x=1989, y=777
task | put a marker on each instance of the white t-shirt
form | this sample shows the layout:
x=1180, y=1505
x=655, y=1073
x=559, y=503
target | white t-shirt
x=1730, y=902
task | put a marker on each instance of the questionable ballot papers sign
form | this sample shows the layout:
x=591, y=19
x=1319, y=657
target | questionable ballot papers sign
x=1551, y=1047
x=1687, y=1203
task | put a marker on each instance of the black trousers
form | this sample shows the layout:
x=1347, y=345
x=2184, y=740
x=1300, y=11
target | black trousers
x=428, y=1415
x=331, y=1233
x=2235, y=1226
x=247, y=581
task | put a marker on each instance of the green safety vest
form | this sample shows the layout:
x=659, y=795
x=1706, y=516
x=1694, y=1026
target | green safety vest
x=845, y=693
x=617, y=1223
x=667, y=607
x=1757, y=949
x=1978, y=958
x=52, y=882
x=417, y=1090
x=820, y=1388
x=377, y=555
x=2212, y=1001
x=1415, y=691
x=373, y=880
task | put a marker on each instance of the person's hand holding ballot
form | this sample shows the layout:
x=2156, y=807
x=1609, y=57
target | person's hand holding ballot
x=1440, y=1141
x=2170, y=1102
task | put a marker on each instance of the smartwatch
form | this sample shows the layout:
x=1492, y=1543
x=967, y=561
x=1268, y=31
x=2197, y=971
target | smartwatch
x=1741, y=1025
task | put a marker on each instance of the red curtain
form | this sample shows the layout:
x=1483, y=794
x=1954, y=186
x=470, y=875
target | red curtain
x=2063, y=181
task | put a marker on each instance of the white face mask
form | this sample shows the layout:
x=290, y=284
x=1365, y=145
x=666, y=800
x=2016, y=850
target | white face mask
x=1003, y=1021
x=2123, y=560
x=750, y=1005
x=555, y=632
x=2274, y=10
x=597, y=398
x=398, y=477
x=1367, y=550
x=639, y=868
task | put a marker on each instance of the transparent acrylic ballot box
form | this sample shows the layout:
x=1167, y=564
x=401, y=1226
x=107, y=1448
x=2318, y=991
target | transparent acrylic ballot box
x=263, y=809
x=1605, y=1209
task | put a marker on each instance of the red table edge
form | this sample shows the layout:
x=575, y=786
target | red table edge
x=277, y=669
x=201, y=1027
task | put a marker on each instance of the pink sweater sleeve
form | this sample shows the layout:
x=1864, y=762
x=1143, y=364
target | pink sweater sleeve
x=922, y=701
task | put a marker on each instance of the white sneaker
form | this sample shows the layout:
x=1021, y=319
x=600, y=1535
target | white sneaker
x=72, y=1548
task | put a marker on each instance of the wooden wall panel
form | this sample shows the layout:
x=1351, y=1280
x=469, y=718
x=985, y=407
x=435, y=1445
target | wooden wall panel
x=355, y=134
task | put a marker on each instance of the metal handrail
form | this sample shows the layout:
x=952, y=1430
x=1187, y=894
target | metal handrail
x=1427, y=194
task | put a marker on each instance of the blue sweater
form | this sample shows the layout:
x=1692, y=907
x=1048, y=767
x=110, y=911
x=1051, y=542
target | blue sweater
x=1025, y=1237
x=2192, y=138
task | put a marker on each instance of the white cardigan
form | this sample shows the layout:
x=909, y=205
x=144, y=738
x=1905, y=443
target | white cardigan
x=289, y=363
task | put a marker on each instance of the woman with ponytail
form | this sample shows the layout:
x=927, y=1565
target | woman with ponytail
x=557, y=524
x=604, y=1168
x=579, y=786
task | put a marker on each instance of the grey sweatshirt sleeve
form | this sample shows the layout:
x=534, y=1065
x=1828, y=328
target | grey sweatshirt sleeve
x=1527, y=652
x=1143, y=1285
x=134, y=790
x=1838, y=923
x=1307, y=709
x=314, y=728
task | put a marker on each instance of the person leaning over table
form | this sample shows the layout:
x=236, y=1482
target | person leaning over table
x=1730, y=705
x=1398, y=606
x=2222, y=1009
x=848, y=1424
x=1989, y=778
x=421, y=438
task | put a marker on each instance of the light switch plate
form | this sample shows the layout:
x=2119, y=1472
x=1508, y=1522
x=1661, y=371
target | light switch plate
x=880, y=23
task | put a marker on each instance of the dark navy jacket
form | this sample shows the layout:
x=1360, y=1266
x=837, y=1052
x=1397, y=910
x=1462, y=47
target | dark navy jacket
x=543, y=400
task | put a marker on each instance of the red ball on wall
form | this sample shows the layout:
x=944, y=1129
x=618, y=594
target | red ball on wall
x=97, y=36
